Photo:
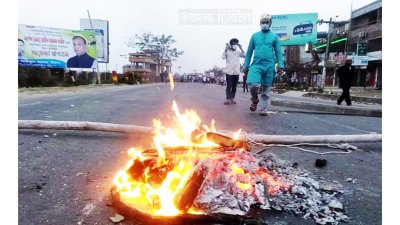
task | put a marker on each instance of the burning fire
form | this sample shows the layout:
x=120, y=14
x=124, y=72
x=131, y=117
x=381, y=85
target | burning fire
x=171, y=81
x=152, y=181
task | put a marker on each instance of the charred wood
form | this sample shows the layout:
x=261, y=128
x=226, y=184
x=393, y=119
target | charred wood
x=183, y=219
x=184, y=199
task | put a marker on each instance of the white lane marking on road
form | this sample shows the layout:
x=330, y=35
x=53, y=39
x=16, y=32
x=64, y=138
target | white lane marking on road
x=342, y=125
x=119, y=89
x=28, y=104
x=68, y=98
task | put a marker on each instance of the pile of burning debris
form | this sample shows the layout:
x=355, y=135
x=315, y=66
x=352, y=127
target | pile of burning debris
x=196, y=173
x=275, y=185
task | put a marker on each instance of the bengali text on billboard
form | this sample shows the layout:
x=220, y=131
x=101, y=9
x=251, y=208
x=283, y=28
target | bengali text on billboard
x=55, y=48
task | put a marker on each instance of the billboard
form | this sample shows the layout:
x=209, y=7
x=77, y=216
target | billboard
x=101, y=40
x=359, y=60
x=295, y=29
x=55, y=48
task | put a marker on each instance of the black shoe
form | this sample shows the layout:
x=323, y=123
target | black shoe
x=337, y=103
x=253, y=106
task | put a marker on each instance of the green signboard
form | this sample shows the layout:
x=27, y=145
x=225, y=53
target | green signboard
x=295, y=29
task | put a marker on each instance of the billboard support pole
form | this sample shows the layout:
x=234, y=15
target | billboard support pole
x=97, y=64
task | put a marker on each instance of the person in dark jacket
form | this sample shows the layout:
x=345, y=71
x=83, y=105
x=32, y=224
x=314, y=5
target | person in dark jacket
x=82, y=59
x=345, y=75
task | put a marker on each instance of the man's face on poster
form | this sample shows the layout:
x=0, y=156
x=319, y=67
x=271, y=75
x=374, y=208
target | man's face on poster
x=79, y=46
x=21, y=48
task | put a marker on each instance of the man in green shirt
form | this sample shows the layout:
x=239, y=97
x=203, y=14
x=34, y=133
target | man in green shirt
x=267, y=51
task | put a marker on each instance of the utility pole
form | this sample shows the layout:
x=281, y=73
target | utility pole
x=97, y=64
x=326, y=56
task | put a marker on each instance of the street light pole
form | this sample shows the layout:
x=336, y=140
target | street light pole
x=326, y=57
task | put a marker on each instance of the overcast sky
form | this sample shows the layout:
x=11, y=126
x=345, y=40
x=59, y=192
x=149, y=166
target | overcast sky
x=202, y=43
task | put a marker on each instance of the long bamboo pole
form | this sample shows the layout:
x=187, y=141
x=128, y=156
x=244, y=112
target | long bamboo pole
x=83, y=125
x=260, y=138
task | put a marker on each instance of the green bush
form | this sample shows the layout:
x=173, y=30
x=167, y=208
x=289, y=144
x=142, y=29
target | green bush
x=82, y=79
x=34, y=77
x=42, y=77
x=137, y=78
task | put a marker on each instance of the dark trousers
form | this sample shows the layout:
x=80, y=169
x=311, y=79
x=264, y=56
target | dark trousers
x=245, y=86
x=231, y=83
x=345, y=96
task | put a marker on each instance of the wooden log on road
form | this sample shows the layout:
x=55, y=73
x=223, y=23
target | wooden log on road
x=293, y=139
x=83, y=125
x=226, y=141
x=260, y=138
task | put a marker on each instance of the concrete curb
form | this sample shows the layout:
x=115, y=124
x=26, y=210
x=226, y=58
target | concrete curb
x=336, y=109
x=353, y=98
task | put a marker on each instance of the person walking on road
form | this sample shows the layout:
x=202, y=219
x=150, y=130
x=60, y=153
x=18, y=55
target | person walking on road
x=345, y=75
x=232, y=71
x=261, y=73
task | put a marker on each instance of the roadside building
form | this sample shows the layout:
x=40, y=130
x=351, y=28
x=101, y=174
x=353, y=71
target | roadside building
x=144, y=65
x=357, y=38
x=366, y=32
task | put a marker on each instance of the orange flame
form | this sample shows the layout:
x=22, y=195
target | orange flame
x=236, y=135
x=236, y=170
x=157, y=198
x=171, y=81
x=150, y=184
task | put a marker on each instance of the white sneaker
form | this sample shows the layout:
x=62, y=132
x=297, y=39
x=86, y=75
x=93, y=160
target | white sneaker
x=263, y=112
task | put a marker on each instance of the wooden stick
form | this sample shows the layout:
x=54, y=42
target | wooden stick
x=260, y=138
x=293, y=139
x=226, y=141
x=83, y=125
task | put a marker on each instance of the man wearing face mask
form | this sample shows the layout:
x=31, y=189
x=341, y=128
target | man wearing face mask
x=232, y=56
x=267, y=51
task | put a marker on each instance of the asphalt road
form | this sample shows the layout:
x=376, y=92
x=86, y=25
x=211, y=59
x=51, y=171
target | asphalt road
x=64, y=177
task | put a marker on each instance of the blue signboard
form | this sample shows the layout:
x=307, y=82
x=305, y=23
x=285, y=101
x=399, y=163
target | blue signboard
x=295, y=29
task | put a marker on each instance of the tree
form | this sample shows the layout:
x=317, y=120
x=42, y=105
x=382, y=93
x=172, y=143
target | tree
x=218, y=72
x=158, y=46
